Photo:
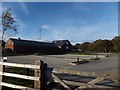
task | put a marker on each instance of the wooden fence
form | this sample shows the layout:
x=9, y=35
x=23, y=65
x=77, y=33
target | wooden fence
x=39, y=75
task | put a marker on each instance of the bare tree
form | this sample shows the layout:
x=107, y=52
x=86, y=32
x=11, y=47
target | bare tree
x=8, y=23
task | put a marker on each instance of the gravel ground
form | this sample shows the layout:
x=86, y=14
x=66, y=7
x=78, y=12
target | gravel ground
x=105, y=64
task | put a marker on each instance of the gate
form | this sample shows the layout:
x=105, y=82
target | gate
x=85, y=80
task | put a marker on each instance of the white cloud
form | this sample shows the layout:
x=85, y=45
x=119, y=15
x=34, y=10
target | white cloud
x=45, y=27
x=24, y=8
x=0, y=7
x=87, y=32
x=39, y=39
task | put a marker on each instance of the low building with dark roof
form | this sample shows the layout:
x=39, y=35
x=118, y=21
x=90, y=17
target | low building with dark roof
x=28, y=46
x=63, y=45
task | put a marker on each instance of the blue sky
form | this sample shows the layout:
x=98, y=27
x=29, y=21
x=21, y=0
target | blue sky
x=78, y=22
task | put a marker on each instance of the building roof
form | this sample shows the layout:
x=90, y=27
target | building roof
x=31, y=43
x=55, y=43
x=60, y=42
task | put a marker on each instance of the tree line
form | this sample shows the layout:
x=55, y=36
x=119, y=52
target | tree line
x=100, y=45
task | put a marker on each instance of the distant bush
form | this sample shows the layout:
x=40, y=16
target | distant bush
x=100, y=45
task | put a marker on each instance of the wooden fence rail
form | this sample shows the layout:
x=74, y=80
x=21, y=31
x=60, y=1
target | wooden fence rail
x=40, y=69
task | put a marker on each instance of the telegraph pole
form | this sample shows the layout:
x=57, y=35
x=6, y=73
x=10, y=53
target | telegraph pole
x=58, y=36
x=40, y=33
x=71, y=39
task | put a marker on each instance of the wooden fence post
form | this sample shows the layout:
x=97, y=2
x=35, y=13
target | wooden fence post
x=37, y=84
x=96, y=55
x=4, y=60
x=1, y=69
x=43, y=76
x=42, y=73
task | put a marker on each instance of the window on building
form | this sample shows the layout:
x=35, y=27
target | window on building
x=67, y=47
x=67, y=43
x=59, y=46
